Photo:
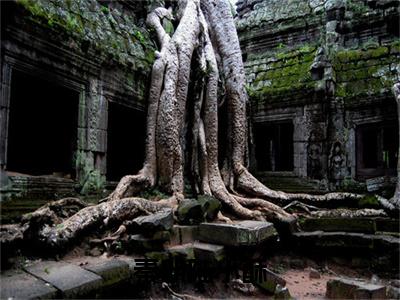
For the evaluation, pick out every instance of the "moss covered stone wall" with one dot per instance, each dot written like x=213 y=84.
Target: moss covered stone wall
x=327 y=67
x=111 y=30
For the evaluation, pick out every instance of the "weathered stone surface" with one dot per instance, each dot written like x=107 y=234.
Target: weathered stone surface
x=334 y=239
x=268 y=280
x=112 y=271
x=21 y=285
x=139 y=243
x=159 y=221
x=244 y=233
x=183 y=234
x=210 y=206
x=341 y=288
x=208 y=252
x=71 y=280
x=282 y=292
x=190 y=212
x=339 y=224
x=185 y=251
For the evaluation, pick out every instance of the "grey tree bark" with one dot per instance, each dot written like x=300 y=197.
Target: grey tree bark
x=206 y=34
x=206 y=28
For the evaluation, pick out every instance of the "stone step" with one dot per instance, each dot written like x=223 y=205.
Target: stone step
x=364 y=225
x=243 y=233
x=21 y=285
x=73 y=281
x=347 y=240
x=112 y=271
x=343 y=288
x=183 y=234
x=208 y=252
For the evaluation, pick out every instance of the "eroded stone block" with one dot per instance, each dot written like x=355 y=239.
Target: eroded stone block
x=71 y=280
x=244 y=233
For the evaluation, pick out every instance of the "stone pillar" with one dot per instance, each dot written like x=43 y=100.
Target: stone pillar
x=396 y=91
x=5 y=86
x=92 y=137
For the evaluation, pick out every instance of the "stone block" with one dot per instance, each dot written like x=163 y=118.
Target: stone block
x=182 y=251
x=21 y=285
x=244 y=233
x=112 y=271
x=342 y=240
x=339 y=224
x=159 y=221
x=208 y=252
x=183 y=234
x=210 y=206
x=268 y=280
x=190 y=212
x=341 y=288
x=71 y=280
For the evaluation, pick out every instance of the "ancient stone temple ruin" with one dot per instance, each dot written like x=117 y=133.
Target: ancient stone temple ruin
x=319 y=77
x=130 y=132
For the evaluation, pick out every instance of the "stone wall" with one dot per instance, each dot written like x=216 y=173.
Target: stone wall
x=328 y=67
x=100 y=49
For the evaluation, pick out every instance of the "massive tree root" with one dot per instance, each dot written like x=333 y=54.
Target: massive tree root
x=206 y=33
x=182 y=134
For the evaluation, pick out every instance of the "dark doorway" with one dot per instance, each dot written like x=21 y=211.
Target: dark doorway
x=274 y=146
x=42 y=127
x=126 y=141
x=377 y=149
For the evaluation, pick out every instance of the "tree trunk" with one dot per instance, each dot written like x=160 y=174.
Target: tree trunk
x=206 y=36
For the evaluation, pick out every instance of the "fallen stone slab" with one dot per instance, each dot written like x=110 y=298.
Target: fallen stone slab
x=244 y=233
x=365 y=225
x=71 y=280
x=112 y=271
x=21 y=285
x=342 y=288
x=208 y=252
x=268 y=280
x=160 y=221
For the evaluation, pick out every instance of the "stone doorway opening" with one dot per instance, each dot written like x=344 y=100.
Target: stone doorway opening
x=377 y=147
x=274 y=146
x=125 y=154
x=42 y=129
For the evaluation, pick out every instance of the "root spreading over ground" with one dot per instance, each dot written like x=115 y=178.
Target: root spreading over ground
x=198 y=69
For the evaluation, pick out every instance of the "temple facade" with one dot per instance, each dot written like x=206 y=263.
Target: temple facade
x=75 y=76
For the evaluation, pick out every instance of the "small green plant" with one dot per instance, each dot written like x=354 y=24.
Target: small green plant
x=105 y=10
x=281 y=46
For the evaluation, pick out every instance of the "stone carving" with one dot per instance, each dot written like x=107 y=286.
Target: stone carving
x=336 y=160
x=314 y=154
